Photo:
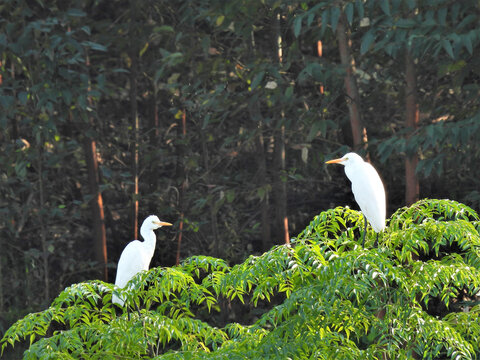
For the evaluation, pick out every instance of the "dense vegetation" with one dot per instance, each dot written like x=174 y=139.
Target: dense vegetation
x=323 y=297
x=218 y=116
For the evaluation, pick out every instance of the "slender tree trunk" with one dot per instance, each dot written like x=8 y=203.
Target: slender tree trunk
x=359 y=131
x=1 y=238
x=156 y=120
x=14 y=119
x=1 y=277
x=217 y=249
x=280 y=185
x=96 y=206
x=182 y=177
x=262 y=183
x=134 y=114
x=280 y=182
x=2 y=301
x=43 y=227
x=412 y=187
x=96 y=203
x=320 y=54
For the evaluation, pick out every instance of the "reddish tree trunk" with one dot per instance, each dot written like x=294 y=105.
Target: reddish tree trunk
x=96 y=206
x=320 y=54
x=134 y=114
x=359 y=131
x=96 y=203
x=412 y=187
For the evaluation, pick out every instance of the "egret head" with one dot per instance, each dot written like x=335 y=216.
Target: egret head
x=347 y=159
x=153 y=222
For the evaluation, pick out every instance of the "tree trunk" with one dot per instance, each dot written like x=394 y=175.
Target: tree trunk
x=96 y=206
x=217 y=252
x=262 y=183
x=280 y=181
x=156 y=120
x=43 y=226
x=13 y=119
x=412 y=187
x=134 y=114
x=96 y=203
x=320 y=54
x=182 y=177
x=280 y=185
x=359 y=131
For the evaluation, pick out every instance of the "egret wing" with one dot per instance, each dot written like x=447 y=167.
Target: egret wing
x=369 y=192
x=131 y=262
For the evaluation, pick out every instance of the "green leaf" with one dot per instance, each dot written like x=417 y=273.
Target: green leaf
x=76 y=13
x=367 y=41
x=448 y=47
x=467 y=43
x=442 y=16
x=411 y=4
x=220 y=20
x=385 y=6
x=349 y=8
x=94 y=46
x=335 y=17
x=289 y=92
x=163 y=28
x=406 y=23
x=23 y=97
x=257 y=79
x=297 y=25
x=360 y=8
x=7 y=101
x=314 y=129
x=325 y=19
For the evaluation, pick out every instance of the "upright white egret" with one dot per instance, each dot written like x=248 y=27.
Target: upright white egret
x=367 y=188
x=137 y=254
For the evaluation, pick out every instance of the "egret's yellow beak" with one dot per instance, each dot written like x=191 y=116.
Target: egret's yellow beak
x=334 y=161
x=163 y=223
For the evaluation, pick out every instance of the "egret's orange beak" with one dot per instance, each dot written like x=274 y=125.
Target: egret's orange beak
x=334 y=161
x=163 y=223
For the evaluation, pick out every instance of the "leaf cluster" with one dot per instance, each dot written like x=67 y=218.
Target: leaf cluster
x=323 y=297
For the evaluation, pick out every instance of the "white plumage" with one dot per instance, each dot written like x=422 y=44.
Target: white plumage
x=137 y=254
x=367 y=187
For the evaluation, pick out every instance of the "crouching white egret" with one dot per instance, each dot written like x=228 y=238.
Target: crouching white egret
x=367 y=188
x=137 y=254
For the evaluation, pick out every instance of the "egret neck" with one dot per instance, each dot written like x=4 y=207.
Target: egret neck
x=149 y=239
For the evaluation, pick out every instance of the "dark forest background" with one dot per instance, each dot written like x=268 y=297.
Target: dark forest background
x=218 y=117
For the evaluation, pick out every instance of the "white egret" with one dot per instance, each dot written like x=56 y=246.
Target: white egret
x=367 y=188
x=137 y=254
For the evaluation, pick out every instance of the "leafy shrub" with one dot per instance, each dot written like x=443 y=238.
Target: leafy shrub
x=323 y=297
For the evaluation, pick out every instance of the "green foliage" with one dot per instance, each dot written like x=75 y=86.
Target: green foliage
x=65 y=74
x=323 y=297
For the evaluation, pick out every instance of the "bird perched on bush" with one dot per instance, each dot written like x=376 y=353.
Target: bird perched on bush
x=367 y=188
x=137 y=254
